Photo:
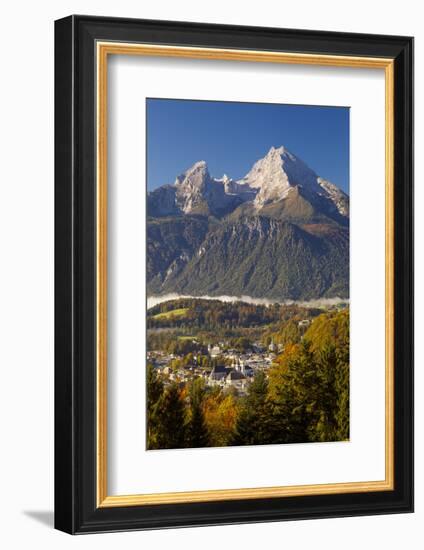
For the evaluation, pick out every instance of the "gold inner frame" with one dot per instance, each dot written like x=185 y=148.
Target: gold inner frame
x=104 y=49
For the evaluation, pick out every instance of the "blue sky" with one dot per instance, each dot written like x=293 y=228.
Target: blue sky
x=230 y=137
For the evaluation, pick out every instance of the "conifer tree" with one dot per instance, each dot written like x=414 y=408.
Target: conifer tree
x=254 y=423
x=154 y=390
x=197 y=432
x=170 y=415
x=154 y=386
x=342 y=388
x=295 y=397
x=323 y=422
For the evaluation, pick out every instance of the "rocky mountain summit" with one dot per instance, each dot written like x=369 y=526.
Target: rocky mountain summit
x=281 y=232
x=269 y=182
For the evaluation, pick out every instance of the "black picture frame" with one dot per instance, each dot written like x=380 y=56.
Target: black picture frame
x=76 y=510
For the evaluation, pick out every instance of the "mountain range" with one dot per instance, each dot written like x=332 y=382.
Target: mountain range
x=281 y=232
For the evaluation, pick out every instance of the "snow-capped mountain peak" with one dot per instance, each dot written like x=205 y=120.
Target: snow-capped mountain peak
x=194 y=176
x=269 y=181
x=197 y=192
x=276 y=173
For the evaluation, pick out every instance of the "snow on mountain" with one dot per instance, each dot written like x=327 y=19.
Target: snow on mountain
x=279 y=171
x=269 y=181
x=192 y=185
x=197 y=192
x=233 y=187
x=276 y=173
x=337 y=196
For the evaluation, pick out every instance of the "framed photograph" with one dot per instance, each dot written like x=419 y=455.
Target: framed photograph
x=234 y=274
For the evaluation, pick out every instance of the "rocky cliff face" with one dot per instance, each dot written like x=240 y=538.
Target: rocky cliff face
x=195 y=192
x=281 y=232
x=270 y=180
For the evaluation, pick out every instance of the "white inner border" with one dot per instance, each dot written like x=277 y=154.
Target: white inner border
x=132 y=469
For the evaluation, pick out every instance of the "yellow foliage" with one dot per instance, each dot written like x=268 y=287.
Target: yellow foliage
x=220 y=417
x=329 y=328
x=279 y=368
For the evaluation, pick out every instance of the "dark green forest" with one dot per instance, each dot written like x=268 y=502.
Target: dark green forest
x=293 y=255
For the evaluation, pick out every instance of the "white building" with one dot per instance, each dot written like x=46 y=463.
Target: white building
x=214 y=351
x=218 y=375
x=236 y=379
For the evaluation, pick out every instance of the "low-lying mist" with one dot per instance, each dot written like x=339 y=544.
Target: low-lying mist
x=320 y=302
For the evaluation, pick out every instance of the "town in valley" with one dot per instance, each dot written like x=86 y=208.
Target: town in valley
x=235 y=373
x=227 y=363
